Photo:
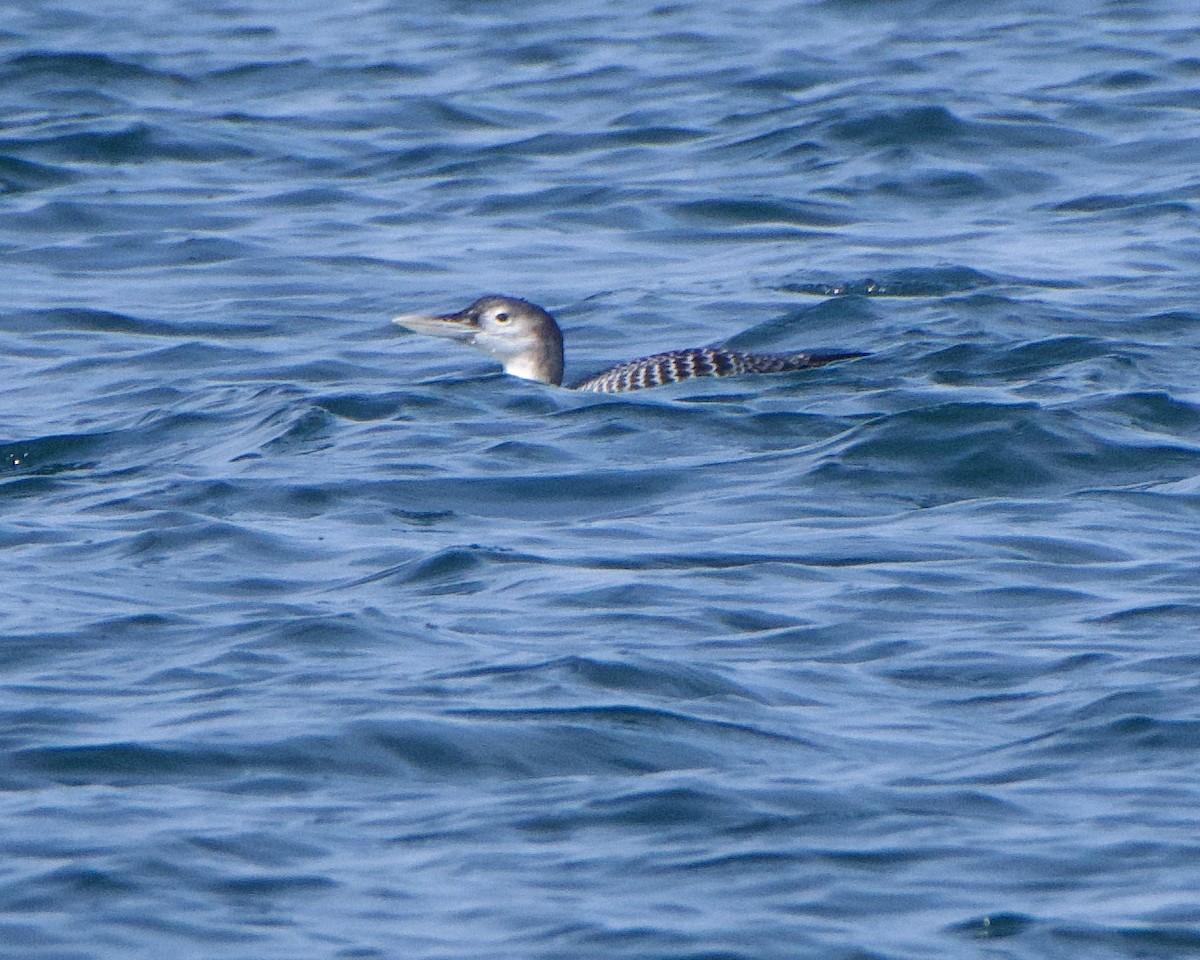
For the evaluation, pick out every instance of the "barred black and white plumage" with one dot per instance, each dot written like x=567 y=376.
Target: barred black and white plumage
x=527 y=340
x=678 y=365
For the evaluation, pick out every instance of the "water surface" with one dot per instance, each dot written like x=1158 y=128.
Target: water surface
x=322 y=639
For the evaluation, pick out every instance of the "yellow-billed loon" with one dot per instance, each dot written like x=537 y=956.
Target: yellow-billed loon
x=526 y=339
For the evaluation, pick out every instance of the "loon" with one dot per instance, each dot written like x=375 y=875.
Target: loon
x=528 y=342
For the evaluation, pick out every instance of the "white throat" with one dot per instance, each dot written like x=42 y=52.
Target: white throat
x=525 y=366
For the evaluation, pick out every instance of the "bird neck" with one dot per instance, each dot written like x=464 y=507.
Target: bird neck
x=541 y=361
x=535 y=366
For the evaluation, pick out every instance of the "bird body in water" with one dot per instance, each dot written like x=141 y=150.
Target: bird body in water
x=528 y=342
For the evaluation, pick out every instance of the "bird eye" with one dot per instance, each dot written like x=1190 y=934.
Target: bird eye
x=501 y=318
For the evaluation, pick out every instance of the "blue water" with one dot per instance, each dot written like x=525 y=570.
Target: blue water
x=326 y=640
